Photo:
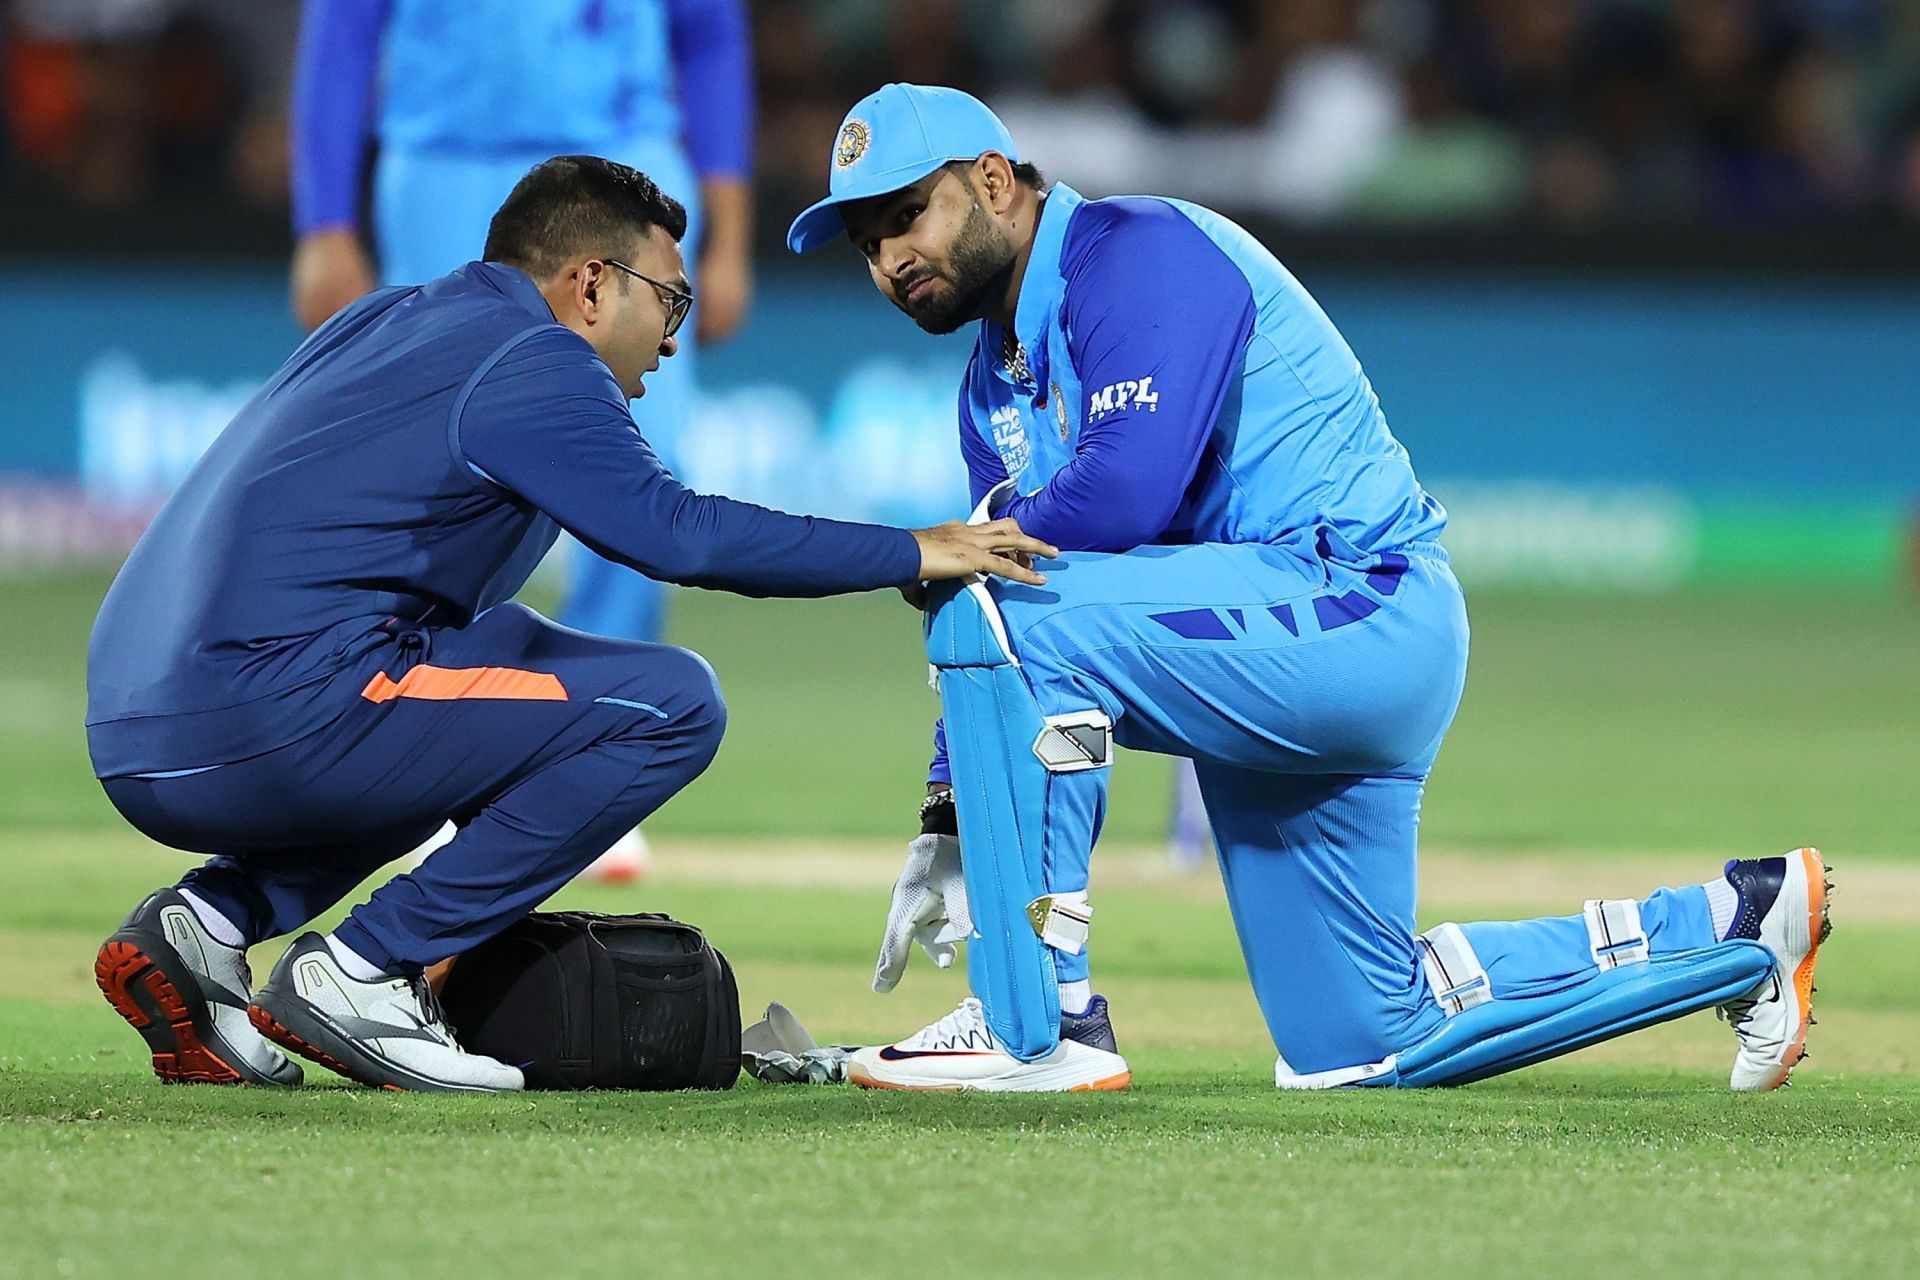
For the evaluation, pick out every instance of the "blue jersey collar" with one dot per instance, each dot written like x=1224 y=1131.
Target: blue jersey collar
x=1042 y=287
x=511 y=282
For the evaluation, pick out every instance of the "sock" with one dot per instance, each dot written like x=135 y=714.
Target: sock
x=1723 y=900
x=350 y=960
x=1077 y=997
x=224 y=931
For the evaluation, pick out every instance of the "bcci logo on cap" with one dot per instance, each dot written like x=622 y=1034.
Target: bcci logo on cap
x=854 y=138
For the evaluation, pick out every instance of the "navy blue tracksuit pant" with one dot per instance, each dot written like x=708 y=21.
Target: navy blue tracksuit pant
x=544 y=744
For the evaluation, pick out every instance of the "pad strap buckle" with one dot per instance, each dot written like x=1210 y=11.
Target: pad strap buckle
x=1062 y=920
x=1458 y=979
x=1614 y=934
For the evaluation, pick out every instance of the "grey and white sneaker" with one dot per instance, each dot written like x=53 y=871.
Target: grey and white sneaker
x=186 y=993
x=960 y=1052
x=389 y=1033
x=1783 y=904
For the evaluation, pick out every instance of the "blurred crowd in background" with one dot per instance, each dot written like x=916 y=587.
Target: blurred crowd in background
x=1327 y=112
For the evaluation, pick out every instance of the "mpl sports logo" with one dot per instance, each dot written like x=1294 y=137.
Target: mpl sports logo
x=1120 y=395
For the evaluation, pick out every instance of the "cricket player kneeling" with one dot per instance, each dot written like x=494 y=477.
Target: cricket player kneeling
x=1252 y=578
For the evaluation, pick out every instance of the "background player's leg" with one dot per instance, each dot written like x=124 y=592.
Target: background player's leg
x=1189 y=839
x=431 y=209
x=608 y=599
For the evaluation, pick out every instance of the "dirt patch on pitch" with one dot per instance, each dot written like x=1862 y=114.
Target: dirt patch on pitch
x=1484 y=884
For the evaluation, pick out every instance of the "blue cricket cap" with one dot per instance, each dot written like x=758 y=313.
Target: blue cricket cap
x=892 y=139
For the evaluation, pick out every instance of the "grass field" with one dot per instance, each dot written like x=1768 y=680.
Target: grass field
x=1606 y=744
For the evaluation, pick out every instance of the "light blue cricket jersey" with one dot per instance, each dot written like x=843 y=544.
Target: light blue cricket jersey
x=1180 y=386
x=527 y=75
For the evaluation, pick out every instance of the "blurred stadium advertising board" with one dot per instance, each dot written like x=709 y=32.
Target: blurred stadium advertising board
x=1625 y=434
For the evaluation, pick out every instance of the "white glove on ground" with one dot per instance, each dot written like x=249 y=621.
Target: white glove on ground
x=929 y=907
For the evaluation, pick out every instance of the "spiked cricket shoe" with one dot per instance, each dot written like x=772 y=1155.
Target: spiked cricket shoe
x=186 y=993
x=388 y=1033
x=961 y=1052
x=1783 y=904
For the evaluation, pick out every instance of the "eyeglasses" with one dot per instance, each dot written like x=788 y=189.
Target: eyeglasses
x=678 y=301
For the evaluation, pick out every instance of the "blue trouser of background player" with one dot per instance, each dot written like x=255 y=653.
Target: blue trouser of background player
x=1312 y=685
x=431 y=210
x=539 y=785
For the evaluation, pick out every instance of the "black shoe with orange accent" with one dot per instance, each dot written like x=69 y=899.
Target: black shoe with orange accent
x=186 y=994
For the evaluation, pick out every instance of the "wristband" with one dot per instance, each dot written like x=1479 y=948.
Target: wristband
x=937 y=815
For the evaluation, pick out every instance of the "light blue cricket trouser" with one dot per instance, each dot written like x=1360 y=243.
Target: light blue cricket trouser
x=431 y=212
x=1312 y=686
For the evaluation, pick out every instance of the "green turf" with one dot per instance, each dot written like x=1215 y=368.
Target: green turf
x=1740 y=722
x=1593 y=726
x=1553 y=1174
x=1201 y=1164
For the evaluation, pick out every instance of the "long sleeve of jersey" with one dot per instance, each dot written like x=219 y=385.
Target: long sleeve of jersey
x=713 y=68
x=332 y=101
x=1157 y=320
x=1152 y=306
x=546 y=425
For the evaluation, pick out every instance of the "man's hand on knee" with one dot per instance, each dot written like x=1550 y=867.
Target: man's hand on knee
x=998 y=547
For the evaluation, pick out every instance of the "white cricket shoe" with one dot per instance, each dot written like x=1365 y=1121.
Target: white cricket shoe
x=186 y=993
x=1783 y=904
x=628 y=860
x=389 y=1033
x=961 y=1052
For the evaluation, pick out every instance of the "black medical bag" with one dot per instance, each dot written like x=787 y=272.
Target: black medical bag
x=579 y=1000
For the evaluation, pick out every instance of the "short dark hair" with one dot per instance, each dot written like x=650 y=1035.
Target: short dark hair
x=1026 y=174
x=571 y=205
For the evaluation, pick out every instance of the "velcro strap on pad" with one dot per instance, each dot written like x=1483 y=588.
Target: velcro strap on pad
x=1614 y=933
x=1458 y=979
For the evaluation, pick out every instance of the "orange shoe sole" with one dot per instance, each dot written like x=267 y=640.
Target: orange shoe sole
x=267 y=1025
x=140 y=991
x=1819 y=928
x=1110 y=1084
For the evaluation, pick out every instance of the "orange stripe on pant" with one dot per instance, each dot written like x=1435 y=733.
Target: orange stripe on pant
x=449 y=684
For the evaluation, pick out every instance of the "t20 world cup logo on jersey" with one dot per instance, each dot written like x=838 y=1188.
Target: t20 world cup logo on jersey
x=1010 y=439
